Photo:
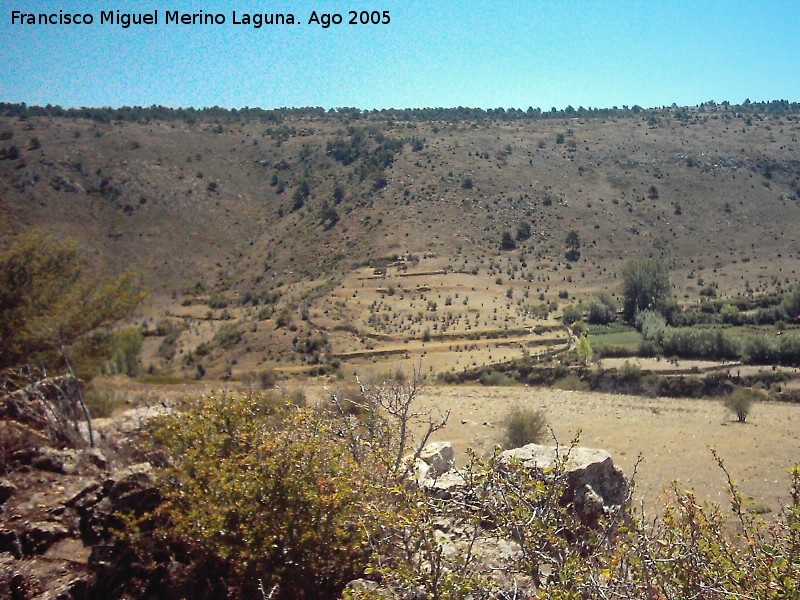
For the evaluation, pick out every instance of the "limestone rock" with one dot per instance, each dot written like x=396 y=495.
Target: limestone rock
x=55 y=460
x=439 y=457
x=445 y=486
x=595 y=486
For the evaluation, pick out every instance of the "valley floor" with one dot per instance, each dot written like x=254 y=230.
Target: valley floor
x=672 y=435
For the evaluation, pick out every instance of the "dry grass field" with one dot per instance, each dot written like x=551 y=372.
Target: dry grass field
x=672 y=435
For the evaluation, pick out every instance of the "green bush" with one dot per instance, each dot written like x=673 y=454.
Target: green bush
x=571 y=383
x=524 y=426
x=496 y=378
x=126 y=348
x=740 y=402
x=701 y=343
x=270 y=490
x=228 y=336
x=652 y=325
x=602 y=309
x=631 y=373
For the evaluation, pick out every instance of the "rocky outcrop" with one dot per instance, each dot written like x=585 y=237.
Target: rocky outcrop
x=591 y=487
x=59 y=499
x=52 y=405
x=595 y=486
x=433 y=461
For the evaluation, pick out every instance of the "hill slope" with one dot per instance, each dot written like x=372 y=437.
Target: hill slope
x=282 y=212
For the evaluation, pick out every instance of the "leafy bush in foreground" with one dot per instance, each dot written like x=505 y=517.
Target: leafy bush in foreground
x=269 y=490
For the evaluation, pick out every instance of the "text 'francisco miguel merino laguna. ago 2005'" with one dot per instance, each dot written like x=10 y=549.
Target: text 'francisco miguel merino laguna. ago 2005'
x=176 y=17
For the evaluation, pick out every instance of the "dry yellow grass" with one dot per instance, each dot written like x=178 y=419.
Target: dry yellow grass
x=673 y=436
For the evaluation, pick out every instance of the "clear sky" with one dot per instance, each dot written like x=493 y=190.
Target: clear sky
x=433 y=53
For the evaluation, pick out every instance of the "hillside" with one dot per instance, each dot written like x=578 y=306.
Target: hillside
x=289 y=237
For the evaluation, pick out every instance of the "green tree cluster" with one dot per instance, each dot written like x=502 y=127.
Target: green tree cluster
x=602 y=309
x=645 y=286
x=50 y=303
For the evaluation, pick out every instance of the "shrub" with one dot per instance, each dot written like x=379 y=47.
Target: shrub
x=269 y=490
x=570 y=314
x=126 y=347
x=267 y=378
x=572 y=383
x=524 y=426
x=741 y=401
x=602 y=309
x=228 y=336
x=351 y=400
x=507 y=242
x=631 y=373
x=496 y=378
x=524 y=231
x=101 y=404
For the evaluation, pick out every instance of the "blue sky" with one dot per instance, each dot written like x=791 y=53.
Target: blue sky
x=434 y=53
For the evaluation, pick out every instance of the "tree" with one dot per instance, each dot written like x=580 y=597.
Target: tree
x=523 y=231
x=584 y=350
x=300 y=195
x=507 y=242
x=571 y=314
x=573 y=243
x=328 y=216
x=338 y=194
x=49 y=303
x=652 y=193
x=126 y=347
x=645 y=286
x=602 y=309
x=791 y=303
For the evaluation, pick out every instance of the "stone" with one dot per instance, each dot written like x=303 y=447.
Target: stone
x=39 y=536
x=96 y=457
x=85 y=496
x=7 y=490
x=10 y=542
x=360 y=588
x=446 y=486
x=595 y=486
x=55 y=461
x=439 y=457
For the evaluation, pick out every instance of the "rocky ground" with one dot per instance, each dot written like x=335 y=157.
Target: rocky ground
x=60 y=496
